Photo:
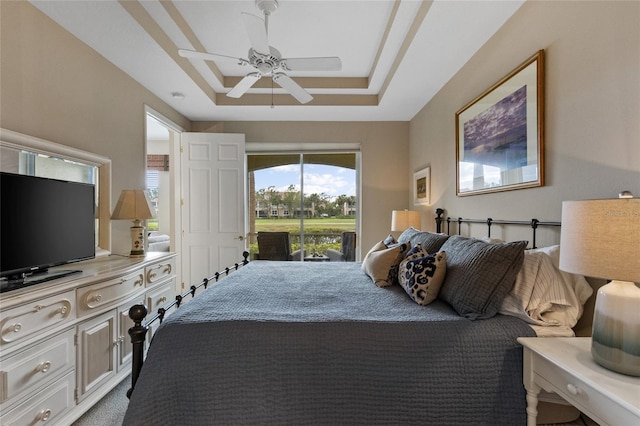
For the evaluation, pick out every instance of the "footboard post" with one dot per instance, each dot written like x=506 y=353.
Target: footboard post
x=138 y=333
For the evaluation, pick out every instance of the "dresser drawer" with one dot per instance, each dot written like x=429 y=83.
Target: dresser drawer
x=581 y=395
x=37 y=364
x=23 y=321
x=107 y=293
x=46 y=406
x=159 y=297
x=159 y=271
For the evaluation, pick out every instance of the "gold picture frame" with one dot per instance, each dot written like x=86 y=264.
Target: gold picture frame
x=500 y=134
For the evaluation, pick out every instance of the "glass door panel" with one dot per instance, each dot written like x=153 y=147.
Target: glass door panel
x=310 y=196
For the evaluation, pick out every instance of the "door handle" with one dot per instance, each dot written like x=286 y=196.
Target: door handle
x=240 y=237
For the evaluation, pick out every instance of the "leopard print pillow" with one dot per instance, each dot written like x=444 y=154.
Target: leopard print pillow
x=421 y=275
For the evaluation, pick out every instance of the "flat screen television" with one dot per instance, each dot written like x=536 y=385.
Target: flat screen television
x=43 y=223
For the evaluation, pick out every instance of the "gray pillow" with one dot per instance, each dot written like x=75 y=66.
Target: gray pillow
x=430 y=241
x=479 y=275
x=407 y=234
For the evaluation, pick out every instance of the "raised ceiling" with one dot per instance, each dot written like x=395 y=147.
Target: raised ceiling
x=396 y=55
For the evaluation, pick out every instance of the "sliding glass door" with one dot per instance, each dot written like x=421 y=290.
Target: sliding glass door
x=310 y=196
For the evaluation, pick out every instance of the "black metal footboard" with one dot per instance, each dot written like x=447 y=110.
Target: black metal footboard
x=138 y=313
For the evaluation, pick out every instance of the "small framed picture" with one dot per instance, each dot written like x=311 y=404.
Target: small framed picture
x=422 y=186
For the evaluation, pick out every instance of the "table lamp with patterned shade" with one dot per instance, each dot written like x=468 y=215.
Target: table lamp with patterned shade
x=134 y=204
x=403 y=219
x=601 y=238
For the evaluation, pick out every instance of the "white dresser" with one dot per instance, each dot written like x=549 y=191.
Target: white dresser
x=64 y=344
x=565 y=366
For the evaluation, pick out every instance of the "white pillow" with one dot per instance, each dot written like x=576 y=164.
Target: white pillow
x=544 y=295
x=381 y=263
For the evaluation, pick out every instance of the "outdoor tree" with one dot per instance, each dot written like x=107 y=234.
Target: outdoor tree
x=273 y=199
x=291 y=199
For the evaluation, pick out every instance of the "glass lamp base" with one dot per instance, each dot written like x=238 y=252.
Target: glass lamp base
x=616 y=328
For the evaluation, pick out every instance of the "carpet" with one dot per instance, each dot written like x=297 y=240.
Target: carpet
x=109 y=411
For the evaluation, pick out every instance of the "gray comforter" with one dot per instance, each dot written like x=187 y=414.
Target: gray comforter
x=292 y=343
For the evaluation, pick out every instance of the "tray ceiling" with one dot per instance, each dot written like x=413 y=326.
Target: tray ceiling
x=396 y=55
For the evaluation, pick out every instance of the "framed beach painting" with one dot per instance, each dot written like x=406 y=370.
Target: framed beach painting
x=500 y=134
x=422 y=186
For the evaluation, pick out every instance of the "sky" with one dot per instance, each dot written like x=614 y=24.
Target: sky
x=318 y=179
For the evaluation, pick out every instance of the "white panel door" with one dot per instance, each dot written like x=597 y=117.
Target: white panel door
x=213 y=194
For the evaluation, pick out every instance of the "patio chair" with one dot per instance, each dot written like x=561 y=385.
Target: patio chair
x=348 y=251
x=274 y=246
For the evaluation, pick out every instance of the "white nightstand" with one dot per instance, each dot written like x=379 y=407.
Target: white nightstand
x=564 y=365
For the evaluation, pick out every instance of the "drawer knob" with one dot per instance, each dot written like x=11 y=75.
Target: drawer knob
x=44 y=415
x=62 y=310
x=96 y=298
x=16 y=328
x=43 y=367
x=573 y=389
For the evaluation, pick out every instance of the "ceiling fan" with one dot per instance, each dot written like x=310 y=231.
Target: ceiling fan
x=266 y=59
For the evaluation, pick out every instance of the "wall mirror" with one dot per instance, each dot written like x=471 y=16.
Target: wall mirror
x=27 y=155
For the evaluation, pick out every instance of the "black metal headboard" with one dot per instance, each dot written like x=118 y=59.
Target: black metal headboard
x=533 y=223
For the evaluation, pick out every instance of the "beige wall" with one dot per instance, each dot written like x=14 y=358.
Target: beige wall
x=56 y=88
x=592 y=108
x=384 y=174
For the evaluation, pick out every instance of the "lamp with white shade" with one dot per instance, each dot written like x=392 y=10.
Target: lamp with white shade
x=601 y=238
x=134 y=204
x=403 y=219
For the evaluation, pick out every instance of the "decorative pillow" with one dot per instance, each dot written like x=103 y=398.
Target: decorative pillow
x=381 y=263
x=421 y=275
x=429 y=241
x=380 y=245
x=389 y=240
x=479 y=274
x=416 y=252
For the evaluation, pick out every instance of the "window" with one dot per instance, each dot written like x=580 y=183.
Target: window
x=313 y=196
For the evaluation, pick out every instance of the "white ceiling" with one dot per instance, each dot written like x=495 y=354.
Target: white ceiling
x=396 y=55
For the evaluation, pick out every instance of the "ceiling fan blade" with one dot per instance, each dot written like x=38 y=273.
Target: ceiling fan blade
x=192 y=54
x=331 y=63
x=257 y=32
x=292 y=87
x=244 y=85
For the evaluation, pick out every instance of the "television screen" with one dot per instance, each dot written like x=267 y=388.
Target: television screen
x=43 y=223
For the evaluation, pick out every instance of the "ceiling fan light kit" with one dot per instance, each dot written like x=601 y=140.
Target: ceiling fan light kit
x=266 y=59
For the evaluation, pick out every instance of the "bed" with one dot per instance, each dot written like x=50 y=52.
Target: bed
x=354 y=343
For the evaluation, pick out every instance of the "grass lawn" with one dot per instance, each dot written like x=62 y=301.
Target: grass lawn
x=320 y=234
x=328 y=224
